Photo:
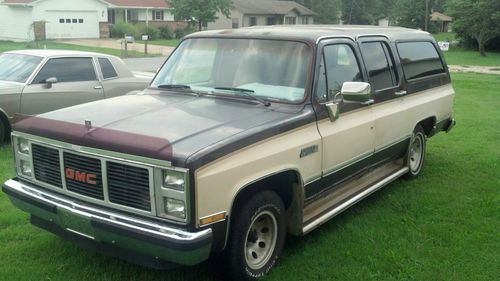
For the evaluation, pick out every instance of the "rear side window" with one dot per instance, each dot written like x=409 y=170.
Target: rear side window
x=67 y=70
x=419 y=59
x=107 y=69
x=379 y=64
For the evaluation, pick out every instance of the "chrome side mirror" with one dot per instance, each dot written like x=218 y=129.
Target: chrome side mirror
x=333 y=110
x=50 y=81
x=357 y=92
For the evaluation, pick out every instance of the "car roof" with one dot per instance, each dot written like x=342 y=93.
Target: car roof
x=55 y=53
x=313 y=33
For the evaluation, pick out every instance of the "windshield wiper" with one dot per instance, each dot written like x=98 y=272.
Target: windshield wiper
x=246 y=92
x=174 y=86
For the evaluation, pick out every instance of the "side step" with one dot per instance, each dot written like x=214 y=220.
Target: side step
x=315 y=221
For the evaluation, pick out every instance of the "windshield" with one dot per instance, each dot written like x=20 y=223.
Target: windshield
x=269 y=69
x=16 y=67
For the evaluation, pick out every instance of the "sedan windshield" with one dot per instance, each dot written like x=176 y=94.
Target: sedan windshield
x=268 y=69
x=17 y=68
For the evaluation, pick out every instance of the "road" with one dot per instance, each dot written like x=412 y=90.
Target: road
x=150 y=64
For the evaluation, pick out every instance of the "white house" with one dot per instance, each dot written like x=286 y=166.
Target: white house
x=263 y=12
x=25 y=20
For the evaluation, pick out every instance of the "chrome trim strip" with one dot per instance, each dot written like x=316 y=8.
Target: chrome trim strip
x=110 y=217
x=344 y=206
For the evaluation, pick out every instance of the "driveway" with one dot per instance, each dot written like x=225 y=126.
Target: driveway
x=150 y=64
x=116 y=44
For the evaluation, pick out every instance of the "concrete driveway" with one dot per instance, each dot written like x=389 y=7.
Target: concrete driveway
x=116 y=44
x=150 y=64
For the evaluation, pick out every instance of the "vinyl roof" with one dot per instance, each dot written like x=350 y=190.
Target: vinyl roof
x=312 y=33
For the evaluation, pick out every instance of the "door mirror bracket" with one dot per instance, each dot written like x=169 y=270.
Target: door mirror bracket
x=50 y=81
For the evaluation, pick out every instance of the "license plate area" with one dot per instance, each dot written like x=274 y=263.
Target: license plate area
x=75 y=223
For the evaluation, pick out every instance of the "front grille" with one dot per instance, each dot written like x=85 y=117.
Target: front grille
x=128 y=185
x=46 y=165
x=83 y=175
x=121 y=185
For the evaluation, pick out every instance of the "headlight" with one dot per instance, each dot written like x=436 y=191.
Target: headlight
x=174 y=180
x=175 y=208
x=25 y=168
x=23 y=146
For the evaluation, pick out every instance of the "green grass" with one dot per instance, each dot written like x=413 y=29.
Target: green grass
x=445 y=36
x=11 y=46
x=164 y=42
x=458 y=56
x=444 y=225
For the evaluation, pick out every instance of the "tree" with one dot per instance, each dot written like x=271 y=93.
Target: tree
x=479 y=19
x=409 y=13
x=365 y=11
x=201 y=11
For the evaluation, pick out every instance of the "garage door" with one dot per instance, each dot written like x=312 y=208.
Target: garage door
x=66 y=25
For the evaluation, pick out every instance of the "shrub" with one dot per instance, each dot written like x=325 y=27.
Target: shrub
x=166 y=33
x=121 y=29
x=179 y=33
x=143 y=29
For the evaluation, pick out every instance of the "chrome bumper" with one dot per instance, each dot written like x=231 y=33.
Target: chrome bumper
x=101 y=226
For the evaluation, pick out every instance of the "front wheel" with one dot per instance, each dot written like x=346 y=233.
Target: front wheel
x=416 y=153
x=256 y=237
x=2 y=132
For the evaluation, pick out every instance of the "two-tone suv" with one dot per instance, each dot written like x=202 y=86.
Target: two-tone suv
x=243 y=136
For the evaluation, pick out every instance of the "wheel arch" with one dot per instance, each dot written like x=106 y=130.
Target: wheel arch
x=288 y=184
x=428 y=124
x=5 y=121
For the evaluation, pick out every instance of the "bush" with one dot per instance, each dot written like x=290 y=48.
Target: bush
x=143 y=29
x=121 y=29
x=179 y=33
x=166 y=33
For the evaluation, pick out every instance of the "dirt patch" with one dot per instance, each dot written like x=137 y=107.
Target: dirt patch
x=475 y=69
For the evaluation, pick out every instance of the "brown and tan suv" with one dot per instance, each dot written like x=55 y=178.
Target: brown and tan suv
x=243 y=136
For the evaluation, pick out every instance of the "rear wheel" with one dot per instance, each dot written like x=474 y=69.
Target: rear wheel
x=416 y=153
x=256 y=237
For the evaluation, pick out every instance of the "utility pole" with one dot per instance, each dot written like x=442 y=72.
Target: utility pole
x=426 y=15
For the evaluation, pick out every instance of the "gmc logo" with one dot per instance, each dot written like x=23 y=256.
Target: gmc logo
x=81 y=176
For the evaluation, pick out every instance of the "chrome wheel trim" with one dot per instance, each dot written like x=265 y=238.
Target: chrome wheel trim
x=415 y=153
x=261 y=240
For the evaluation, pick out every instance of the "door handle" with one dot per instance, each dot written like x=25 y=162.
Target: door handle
x=97 y=87
x=400 y=93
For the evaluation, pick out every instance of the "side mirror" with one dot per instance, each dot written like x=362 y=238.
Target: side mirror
x=50 y=81
x=357 y=92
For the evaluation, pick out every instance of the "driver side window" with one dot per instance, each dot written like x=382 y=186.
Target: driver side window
x=338 y=65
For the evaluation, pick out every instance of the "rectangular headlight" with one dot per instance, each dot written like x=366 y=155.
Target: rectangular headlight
x=174 y=180
x=23 y=146
x=175 y=208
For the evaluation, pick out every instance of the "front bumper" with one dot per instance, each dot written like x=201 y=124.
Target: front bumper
x=113 y=233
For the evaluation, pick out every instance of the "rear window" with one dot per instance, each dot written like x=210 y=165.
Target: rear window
x=107 y=69
x=419 y=59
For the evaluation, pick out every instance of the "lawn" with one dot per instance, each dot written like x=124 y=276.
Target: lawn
x=164 y=42
x=443 y=226
x=458 y=56
x=10 y=46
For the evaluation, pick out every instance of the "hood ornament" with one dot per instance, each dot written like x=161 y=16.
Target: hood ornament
x=88 y=125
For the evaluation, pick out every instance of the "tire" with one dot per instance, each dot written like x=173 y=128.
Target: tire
x=256 y=237
x=415 y=157
x=2 y=132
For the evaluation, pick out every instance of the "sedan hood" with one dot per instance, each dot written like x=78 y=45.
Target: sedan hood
x=188 y=123
x=7 y=87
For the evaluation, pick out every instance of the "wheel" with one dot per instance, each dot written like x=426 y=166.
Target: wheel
x=2 y=132
x=256 y=237
x=416 y=153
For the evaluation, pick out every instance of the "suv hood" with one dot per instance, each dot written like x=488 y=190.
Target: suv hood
x=188 y=123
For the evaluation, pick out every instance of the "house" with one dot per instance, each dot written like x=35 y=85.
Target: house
x=263 y=12
x=25 y=20
x=443 y=20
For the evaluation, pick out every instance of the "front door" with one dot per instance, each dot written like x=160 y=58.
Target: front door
x=76 y=83
x=348 y=142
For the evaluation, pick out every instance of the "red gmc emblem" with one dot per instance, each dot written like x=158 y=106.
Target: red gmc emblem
x=81 y=176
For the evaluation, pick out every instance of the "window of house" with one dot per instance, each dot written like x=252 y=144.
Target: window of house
x=253 y=21
x=305 y=20
x=419 y=59
x=379 y=64
x=67 y=70
x=158 y=15
x=270 y=20
x=339 y=65
x=107 y=69
x=80 y=20
x=68 y=20
x=111 y=16
x=61 y=20
x=74 y=20
x=235 y=23
x=290 y=20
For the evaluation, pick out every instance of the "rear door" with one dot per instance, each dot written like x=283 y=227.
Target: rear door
x=389 y=113
x=77 y=83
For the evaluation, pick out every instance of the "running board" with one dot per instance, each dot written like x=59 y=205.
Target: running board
x=353 y=200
